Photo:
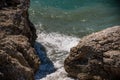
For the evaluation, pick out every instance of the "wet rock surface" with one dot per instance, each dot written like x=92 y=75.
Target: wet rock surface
x=18 y=59
x=96 y=57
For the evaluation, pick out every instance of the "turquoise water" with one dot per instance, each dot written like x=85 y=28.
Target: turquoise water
x=74 y=17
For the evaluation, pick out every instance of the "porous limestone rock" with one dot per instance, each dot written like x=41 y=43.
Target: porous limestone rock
x=96 y=57
x=18 y=59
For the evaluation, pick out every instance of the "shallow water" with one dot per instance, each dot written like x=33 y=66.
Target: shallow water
x=56 y=49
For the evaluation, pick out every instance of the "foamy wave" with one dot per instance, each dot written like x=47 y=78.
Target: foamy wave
x=60 y=74
x=58 y=41
x=57 y=48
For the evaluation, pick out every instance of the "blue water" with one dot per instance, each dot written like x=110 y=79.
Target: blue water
x=74 y=17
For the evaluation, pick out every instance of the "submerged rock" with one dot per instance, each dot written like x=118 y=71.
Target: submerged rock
x=96 y=57
x=18 y=59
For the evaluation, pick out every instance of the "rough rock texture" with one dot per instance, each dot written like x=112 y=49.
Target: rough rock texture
x=18 y=59
x=96 y=57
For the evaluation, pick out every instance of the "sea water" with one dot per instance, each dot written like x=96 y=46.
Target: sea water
x=61 y=23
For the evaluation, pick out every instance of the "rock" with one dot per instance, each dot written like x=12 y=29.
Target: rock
x=96 y=57
x=18 y=59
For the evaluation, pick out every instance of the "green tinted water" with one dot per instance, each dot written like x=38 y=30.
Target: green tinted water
x=74 y=17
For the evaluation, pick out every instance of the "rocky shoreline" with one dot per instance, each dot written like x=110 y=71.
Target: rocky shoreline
x=96 y=57
x=18 y=59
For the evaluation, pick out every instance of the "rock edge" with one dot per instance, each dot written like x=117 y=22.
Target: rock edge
x=96 y=57
x=18 y=59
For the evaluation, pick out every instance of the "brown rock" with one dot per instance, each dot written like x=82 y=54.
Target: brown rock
x=11 y=68
x=96 y=57
x=18 y=59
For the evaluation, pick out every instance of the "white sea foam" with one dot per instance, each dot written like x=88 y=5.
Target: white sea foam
x=59 y=41
x=57 y=48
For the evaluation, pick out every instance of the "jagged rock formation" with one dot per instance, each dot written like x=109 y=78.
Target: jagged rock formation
x=18 y=59
x=96 y=57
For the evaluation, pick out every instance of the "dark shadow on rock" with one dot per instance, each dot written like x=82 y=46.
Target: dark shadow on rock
x=46 y=66
x=10 y=3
